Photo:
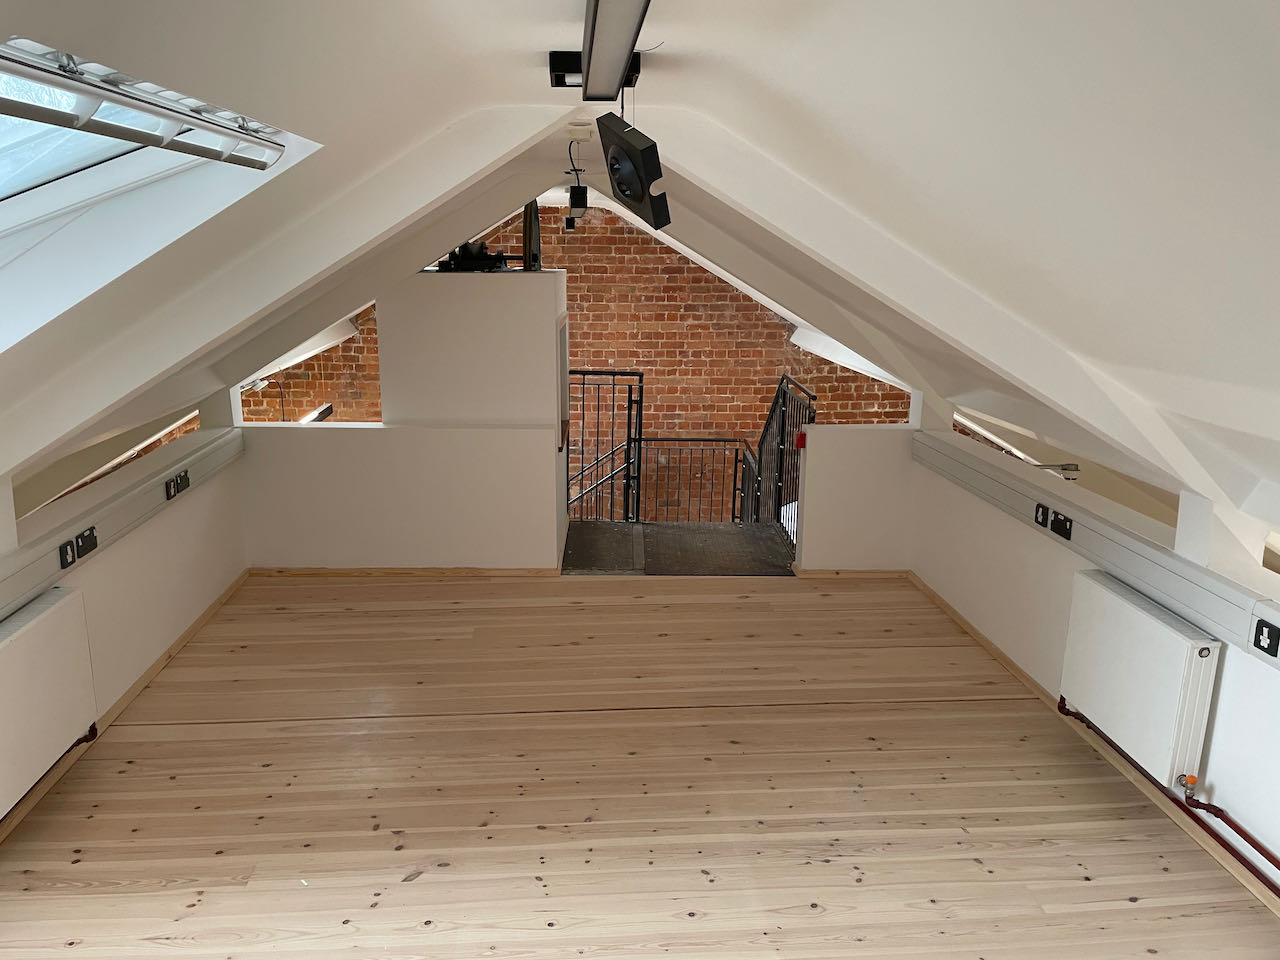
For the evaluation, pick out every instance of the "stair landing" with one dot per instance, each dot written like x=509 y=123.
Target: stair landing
x=677 y=549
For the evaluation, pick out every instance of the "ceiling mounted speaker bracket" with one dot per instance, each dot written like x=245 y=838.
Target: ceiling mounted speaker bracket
x=631 y=160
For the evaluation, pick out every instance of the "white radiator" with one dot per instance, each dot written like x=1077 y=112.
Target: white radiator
x=1139 y=673
x=46 y=688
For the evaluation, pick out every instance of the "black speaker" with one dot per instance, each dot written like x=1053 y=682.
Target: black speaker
x=631 y=160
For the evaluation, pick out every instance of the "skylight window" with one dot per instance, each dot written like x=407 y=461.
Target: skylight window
x=37 y=94
x=94 y=160
x=32 y=154
x=39 y=84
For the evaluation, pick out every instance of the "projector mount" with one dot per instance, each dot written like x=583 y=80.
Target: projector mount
x=475 y=257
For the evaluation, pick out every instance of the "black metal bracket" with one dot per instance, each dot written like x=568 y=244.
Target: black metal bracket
x=565 y=67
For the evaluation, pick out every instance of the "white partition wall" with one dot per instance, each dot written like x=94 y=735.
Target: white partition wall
x=465 y=470
x=853 y=511
x=472 y=349
x=368 y=496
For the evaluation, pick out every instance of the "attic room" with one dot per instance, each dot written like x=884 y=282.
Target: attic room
x=834 y=513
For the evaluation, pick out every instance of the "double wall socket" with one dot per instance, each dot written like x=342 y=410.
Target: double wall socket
x=176 y=484
x=1054 y=521
x=69 y=551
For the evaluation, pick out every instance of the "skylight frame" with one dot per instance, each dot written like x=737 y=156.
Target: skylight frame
x=238 y=139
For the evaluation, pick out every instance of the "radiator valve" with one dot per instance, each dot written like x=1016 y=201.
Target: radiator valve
x=1188 y=781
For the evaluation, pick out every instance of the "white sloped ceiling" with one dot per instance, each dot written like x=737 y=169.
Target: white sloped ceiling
x=1061 y=213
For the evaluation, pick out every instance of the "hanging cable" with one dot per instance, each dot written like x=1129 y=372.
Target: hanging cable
x=573 y=167
x=577 y=193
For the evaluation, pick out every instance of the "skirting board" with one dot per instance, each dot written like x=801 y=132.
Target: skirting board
x=46 y=783
x=403 y=571
x=1162 y=800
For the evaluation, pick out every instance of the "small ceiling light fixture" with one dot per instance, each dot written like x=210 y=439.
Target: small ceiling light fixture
x=578 y=201
x=578 y=192
x=609 y=38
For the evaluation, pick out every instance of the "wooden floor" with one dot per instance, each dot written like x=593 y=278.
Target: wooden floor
x=602 y=767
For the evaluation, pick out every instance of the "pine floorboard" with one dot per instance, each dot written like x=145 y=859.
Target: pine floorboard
x=604 y=768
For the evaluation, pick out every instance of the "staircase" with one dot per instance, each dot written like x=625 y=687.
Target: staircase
x=777 y=465
x=616 y=473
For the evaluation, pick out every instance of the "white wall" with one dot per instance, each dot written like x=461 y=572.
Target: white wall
x=468 y=348
x=863 y=531
x=1242 y=758
x=868 y=505
x=465 y=471
x=1008 y=580
x=142 y=591
x=335 y=495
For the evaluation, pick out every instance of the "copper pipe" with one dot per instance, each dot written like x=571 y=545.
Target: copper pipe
x=1189 y=803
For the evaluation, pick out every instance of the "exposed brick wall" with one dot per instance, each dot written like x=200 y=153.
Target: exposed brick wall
x=181 y=430
x=711 y=355
x=345 y=375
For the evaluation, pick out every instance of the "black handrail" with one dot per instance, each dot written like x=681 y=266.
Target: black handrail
x=691 y=479
x=606 y=427
x=790 y=412
x=614 y=472
x=607 y=456
x=746 y=486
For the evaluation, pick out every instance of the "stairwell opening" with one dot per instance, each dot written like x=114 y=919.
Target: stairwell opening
x=684 y=404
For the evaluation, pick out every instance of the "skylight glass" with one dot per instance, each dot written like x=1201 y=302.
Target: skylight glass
x=125 y=117
x=51 y=86
x=33 y=153
x=95 y=161
x=40 y=94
